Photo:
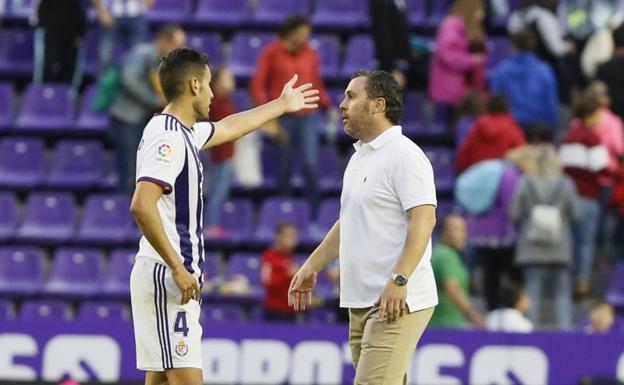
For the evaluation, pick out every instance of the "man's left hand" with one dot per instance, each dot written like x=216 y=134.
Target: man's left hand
x=392 y=302
x=299 y=98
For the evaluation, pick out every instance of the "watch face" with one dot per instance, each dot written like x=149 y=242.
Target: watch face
x=401 y=280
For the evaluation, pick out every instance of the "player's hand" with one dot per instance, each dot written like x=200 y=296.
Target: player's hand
x=299 y=98
x=301 y=286
x=392 y=302
x=187 y=284
x=477 y=319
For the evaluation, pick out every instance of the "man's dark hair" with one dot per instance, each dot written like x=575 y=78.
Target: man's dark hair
x=586 y=104
x=168 y=30
x=179 y=65
x=381 y=84
x=539 y=133
x=524 y=41
x=291 y=24
x=283 y=226
x=510 y=295
x=498 y=104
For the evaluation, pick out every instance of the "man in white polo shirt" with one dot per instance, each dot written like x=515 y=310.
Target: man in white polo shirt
x=383 y=235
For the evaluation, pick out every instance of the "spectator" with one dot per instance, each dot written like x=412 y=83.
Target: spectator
x=278 y=267
x=120 y=18
x=511 y=317
x=454 y=69
x=391 y=34
x=291 y=54
x=452 y=278
x=611 y=72
x=60 y=28
x=492 y=135
x=470 y=107
x=220 y=169
x=601 y=320
x=583 y=158
x=137 y=98
x=529 y=84
x=545 y=205
x=538 y=16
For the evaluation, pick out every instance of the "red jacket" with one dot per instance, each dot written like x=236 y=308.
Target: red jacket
x=220 y=108
x=276 y=66
x=276 y=277
x=490 y=137
x=584 y=158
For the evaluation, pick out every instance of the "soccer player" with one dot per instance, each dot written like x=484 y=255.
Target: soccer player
x=383 y=235
x=167 y=275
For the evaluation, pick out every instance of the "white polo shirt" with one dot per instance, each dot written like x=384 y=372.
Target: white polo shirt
x=384 y=178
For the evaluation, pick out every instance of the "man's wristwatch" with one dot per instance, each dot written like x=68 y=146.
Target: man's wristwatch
x=399 y=279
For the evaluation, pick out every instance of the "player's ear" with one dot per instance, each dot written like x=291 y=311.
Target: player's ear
x=195 y=86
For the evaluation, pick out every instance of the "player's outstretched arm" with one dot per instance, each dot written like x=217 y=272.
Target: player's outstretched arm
x=304 y=281
x=291 y=100
x=145 y=212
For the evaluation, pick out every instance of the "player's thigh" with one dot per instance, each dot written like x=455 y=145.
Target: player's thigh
x=155 y=378
x=184 y=376
x=388 y=348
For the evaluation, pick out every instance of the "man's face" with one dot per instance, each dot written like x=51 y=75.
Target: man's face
x=166 y=45
x=286 y=240
x=294 y=41
x=456 y=233
x=202 y=100
x=356 y=108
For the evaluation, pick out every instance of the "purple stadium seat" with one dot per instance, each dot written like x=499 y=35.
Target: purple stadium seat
x=237 y=220
x=282 y=209
x=414 y=121
x=22 y=162
x=19 y=9
x=21 y=271
x=45 y=310
x=330 y=170
x=340 y=14
x=170 y=11
x=241 y=100
x=416 y=12
x=116 y=283
x=78 y=164
x=46 y=108
x=443 y=162
x=212 y=268
x=615 y=292
x=104 y=311
x=225 y=13
x=88 y=120
x=75 y=273
x=274 y=12
x=16 y=51
x=212 y=313
x=499 y=49
x=209 y=43
x=8 y=216
x=328 y=48
x=107 y=221
x=360 y=54
x=268 y=157
x=7 y=112
x=328 y=215
x=248 y=265
x=49 y=218
x=91 y=44
x=7 y=310
x=437 y=12
x=246 y=47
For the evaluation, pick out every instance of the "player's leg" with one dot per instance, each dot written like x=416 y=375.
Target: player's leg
x=388 y=348
x=357 y=319
x=156 y=378
x=185 y=376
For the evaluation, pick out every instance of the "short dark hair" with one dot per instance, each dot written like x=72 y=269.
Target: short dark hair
x=176 y=66
x=587 y=104
x=291 y=24
x=524 y=40
x=510 y=295
x=498 y=104
x=381 y=84
x=539 y=133
x=283 y=226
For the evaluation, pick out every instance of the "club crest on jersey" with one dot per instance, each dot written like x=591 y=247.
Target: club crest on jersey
x=181 y=348
x=164 y=153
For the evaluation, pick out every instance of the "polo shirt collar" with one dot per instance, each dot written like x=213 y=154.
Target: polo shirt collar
x=381 y=139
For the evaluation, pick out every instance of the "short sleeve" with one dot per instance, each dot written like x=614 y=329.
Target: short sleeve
x=161 y=158
x=443 y=266
x=203 y=133
x=412 y=178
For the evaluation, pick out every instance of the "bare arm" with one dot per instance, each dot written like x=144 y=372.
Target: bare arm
x=452 y=289
x=145 y=212
x=327 y=251
x=242 y=123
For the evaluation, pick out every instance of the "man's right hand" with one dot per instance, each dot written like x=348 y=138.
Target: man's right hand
x=301 y=286
x=187 y=284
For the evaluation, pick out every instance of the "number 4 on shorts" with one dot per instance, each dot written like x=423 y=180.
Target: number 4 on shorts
x=180 y=323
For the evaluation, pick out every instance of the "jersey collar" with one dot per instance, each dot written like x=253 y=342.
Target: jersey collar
x=381 y=139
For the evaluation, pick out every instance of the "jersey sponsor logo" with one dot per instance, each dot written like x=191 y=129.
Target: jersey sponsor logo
x=164 y=153
x=181 y=348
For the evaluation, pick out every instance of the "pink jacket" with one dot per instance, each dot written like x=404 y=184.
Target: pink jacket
x=452 y=65
x=611 y=134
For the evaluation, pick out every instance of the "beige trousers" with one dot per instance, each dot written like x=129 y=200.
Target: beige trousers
x=381 y=351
